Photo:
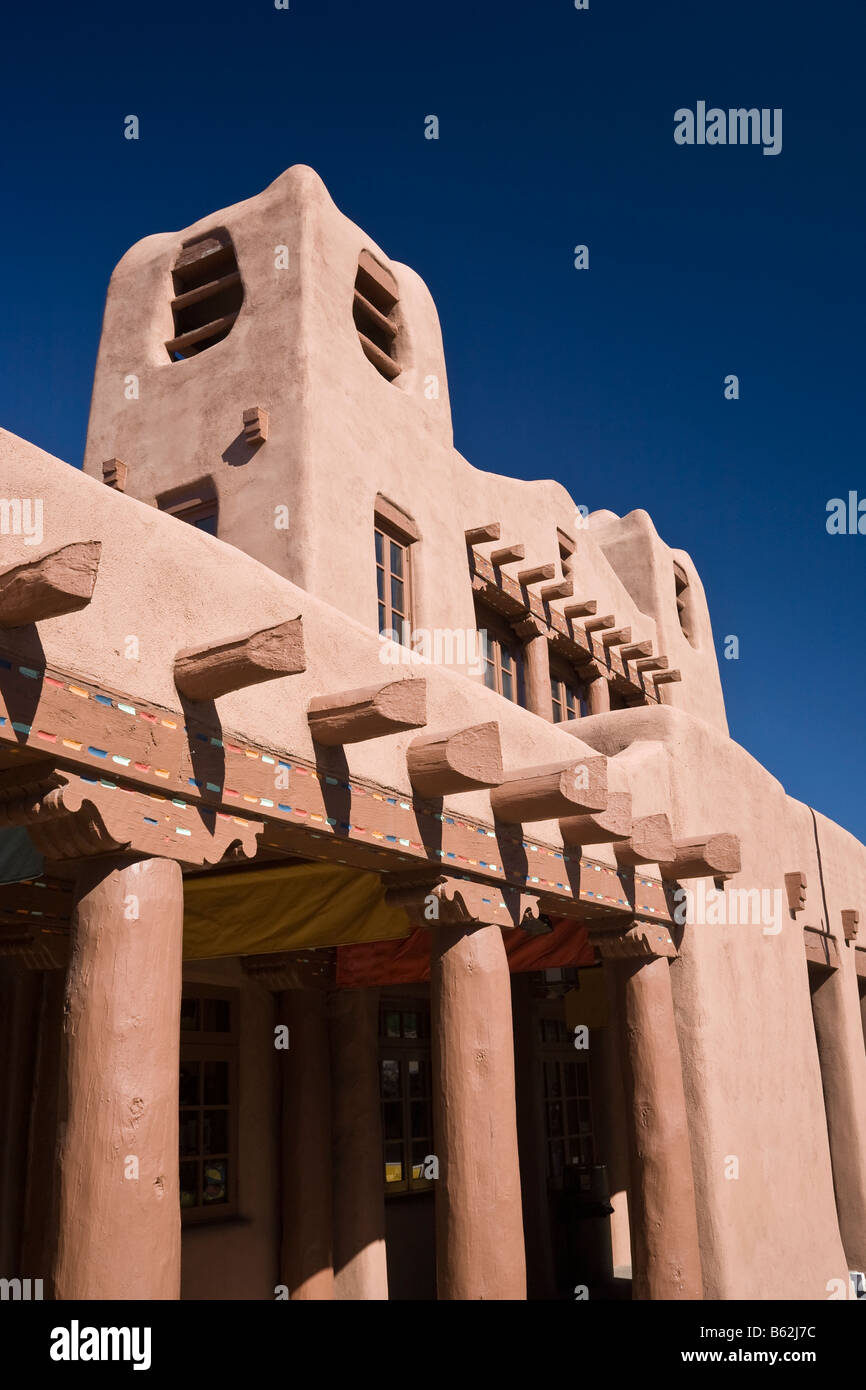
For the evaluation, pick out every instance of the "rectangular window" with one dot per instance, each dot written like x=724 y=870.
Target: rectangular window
x=566 y=1098
x=406 y=1093
x=393 y=581
x=503 y=656
x=570 y=698
x=196 y=505
x=208 y=1102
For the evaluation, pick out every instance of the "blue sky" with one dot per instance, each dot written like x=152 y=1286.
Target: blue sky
x=556 y=128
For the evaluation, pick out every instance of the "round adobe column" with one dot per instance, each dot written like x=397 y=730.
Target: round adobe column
x=662 y=1212
x=360 y=1265
x=479 y=1219
x=307 y=1244
x=119 y=1209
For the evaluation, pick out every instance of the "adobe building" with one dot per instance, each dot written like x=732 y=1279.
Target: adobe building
x=342 y=965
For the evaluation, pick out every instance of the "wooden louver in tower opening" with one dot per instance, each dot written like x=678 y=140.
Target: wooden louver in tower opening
x=208 y=294
x=374 y=311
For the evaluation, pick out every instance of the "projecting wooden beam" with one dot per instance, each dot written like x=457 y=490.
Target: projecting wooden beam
x=49 y=586
x=600 y=827
x=465 y=760
x=666 y=677
x=850 y=922
x=655 y=663
x=563 y=588
x=356 y=715
x=715 y=856
x=477 y=535
x=596 y=624
x=535 y=573
x=204 y=673
x=507 y=555
x=616 y=637
x=581 y=610
x=650 y=842
x=795 y=889
x=551 y=791
x=634 y=649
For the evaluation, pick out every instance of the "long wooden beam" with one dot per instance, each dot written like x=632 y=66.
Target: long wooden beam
x=551 y=791
x=356 y=715
x=464 y=760
x=204 y=673
x=49 y=586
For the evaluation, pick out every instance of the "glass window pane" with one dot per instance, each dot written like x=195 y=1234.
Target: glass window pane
x=380 y=560
x=396 y=559
x=507 y=684
x=216 y=1083
x=390 y=1079
x=392 y=1120
x=207 y=523
x=188 y=1184
x=189 y=1132
x=215 y=1182
x=585 y=1121
x=380 y=583
x=417 y=1079
x=216 y=1132
x=421 y=1117
x=490 y=676
x=393 y=1162
x=557 y=1159
x=383 y=620
x=420 y=1151
x=189 y=1019
x=551 y=1079
x=571 y=1117
x=217 y=1016
x=554 y=1120
x=410 y=1025
x=392 y=1024
x=397 y=597
x=190 y=1073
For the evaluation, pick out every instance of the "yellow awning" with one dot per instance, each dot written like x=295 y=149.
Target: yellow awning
x=286 y=908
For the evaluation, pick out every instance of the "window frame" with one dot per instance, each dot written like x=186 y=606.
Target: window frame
x=195 y=504
x=198 y=1045
x=564 y=676
x=497 y=636
x=392 y=535
x=405 y=1050
x=561 y=1054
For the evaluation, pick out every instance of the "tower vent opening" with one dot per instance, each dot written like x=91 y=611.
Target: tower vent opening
x=208 y=294
x=374 y=308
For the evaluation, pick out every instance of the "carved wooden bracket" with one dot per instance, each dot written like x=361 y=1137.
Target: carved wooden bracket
x=795 y=887
x=70 y=817
x=47 y=587
x=255 y=422
x=581 y=610
x=850 y=922
x=534 y=574
x=646 y=939
x=453 y=902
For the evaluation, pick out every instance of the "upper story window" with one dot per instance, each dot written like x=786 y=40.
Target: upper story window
x=503 y=656
x=394 y=533
x=405 y=1069
x=208 y=1101
x=208 y=294
x=196 y=505
x=570 y=698
x=374 y=308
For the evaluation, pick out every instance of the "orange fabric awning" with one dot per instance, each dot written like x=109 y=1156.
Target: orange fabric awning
x=408 y=961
